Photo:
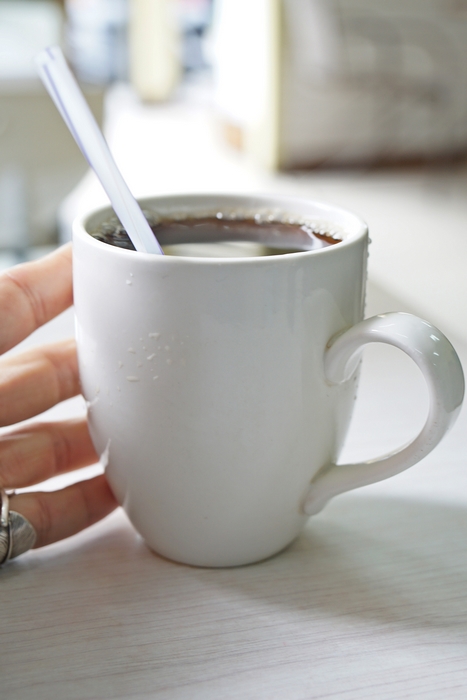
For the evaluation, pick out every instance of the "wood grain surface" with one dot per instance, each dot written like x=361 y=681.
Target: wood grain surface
x=369 y=602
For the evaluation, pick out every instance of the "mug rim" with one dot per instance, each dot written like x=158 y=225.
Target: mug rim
x=80 y=226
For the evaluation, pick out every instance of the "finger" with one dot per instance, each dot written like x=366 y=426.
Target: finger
x=36 y=380
x=43 y=450
x=33 y=293
x=59 y=514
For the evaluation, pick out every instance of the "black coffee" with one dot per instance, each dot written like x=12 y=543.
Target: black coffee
x=223 y=236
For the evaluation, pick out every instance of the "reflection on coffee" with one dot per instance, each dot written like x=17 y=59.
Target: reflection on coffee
x=222 y=235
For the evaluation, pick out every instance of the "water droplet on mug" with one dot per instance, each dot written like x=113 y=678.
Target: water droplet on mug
x=133 y=379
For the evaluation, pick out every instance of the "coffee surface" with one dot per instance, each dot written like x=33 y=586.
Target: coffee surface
x=219 y=236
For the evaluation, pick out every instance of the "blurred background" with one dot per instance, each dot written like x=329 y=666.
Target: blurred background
x=359 y=102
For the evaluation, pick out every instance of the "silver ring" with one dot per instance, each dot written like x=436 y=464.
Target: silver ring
x=17 y=535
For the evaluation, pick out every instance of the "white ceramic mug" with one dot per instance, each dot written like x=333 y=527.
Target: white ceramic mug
x=222 y=388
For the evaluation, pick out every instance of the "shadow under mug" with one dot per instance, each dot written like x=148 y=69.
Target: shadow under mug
x=220 y=390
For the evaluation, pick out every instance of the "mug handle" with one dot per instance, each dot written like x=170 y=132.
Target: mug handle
x=442 y=370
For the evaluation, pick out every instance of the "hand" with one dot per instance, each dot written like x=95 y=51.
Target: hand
x=31 y=382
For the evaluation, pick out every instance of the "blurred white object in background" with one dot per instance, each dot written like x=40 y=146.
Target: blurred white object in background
x=246 y=67
x=339 y=82
x=155 y=49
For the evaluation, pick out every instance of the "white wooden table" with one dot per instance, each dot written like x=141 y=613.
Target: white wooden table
x=369 y=602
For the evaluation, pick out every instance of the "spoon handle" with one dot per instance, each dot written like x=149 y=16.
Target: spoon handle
x=70 y=102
